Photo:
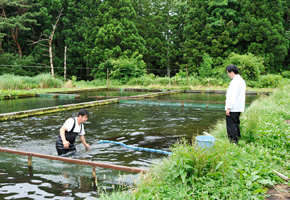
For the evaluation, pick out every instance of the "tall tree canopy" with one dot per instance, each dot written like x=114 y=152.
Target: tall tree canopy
x=16 y=16
x=167 y=35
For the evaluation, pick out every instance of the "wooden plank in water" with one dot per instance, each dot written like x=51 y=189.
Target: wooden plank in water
x=76 y=161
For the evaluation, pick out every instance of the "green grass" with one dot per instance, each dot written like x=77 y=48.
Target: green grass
x=13 y=82
x=13 y=86
x=227 y=171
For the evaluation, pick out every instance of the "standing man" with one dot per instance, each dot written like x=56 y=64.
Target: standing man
x=235 y=103
x=72 y=128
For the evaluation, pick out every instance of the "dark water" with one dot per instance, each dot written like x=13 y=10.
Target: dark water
x=142 y=125
x=13 y=105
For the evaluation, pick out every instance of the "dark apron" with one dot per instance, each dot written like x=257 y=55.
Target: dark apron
x=69 y=136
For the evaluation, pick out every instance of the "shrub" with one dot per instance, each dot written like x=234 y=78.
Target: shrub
x=205 y=69
x=250 y=66
x=269 y=80
x=123 y=68
x=17 y=65
x=286 y=74
x=144 y=80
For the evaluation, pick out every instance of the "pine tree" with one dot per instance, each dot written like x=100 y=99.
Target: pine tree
x=263 y=32
x=115 y=33
x=15 y=18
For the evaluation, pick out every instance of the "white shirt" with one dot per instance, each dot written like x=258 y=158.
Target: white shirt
x=69 y=124
x=236 y=95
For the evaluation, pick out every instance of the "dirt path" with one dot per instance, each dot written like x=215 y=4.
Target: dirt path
x=280 y=192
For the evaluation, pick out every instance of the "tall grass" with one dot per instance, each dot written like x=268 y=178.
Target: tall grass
x=227 y=171
x=14 y=82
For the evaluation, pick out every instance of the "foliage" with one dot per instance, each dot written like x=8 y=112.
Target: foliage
x=171 y=35
x=116 y=34
x=286 y=74
x=250 y=66
x=269 y=80
x=123 y=68
x=205 y=69
x=15 y=82
x=13 y=64
x=16 y=17
x=262 y=31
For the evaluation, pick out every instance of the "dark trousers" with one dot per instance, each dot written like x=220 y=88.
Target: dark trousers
x=233 y=126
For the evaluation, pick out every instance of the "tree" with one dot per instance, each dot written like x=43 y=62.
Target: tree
x=263 y=33
x=115 y=33
x=211 y=27
x=161 y=23
x=15 y=17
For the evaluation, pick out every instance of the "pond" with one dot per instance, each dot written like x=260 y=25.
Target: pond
x=148 y=125
x=13 y=105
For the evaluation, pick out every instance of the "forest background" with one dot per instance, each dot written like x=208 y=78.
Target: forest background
x=146 y=38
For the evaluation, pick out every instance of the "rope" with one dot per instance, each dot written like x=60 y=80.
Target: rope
x=135 y=148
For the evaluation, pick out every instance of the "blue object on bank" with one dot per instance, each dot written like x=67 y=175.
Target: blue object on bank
x=135 y=148
x=205 y=141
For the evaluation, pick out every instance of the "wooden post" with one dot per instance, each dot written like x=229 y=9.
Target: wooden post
x=94 y=172
x=187 y=76
x=181 y=104
x=107 y=77
x=29 y=160
x=64 y=72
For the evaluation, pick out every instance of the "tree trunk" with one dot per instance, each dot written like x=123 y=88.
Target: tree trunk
x=51 y=57
x=50 y=43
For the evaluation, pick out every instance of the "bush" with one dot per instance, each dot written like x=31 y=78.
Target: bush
x=144 y=80
x=269 y=81
x=286 y=74
x=205 y=69
x=123 y=68
x=48 y=81
x=250 y=66
x=17 y=65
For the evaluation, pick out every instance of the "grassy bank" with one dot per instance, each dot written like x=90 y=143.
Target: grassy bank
x=12 y=86
x=228 y=171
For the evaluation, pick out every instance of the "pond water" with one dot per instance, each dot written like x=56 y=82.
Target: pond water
x=13 y=105
x=146 y=125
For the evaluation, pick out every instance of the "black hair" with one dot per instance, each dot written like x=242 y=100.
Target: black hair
x=232 y=68
x=83 y=112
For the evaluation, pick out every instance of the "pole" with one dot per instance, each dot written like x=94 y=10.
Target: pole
x=187 y=75
x=64 y=72
x=107 y=77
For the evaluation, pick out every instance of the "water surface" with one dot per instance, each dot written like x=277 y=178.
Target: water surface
x=148 y=125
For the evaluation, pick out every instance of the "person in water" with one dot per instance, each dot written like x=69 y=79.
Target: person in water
x=72 y=128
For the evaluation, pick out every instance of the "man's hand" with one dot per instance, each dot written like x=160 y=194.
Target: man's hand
x=228 y=112
x=66 y=144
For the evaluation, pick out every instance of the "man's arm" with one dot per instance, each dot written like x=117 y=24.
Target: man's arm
x=228 y=110
x=231 y=96
x=83 y=140
x=62 y=135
